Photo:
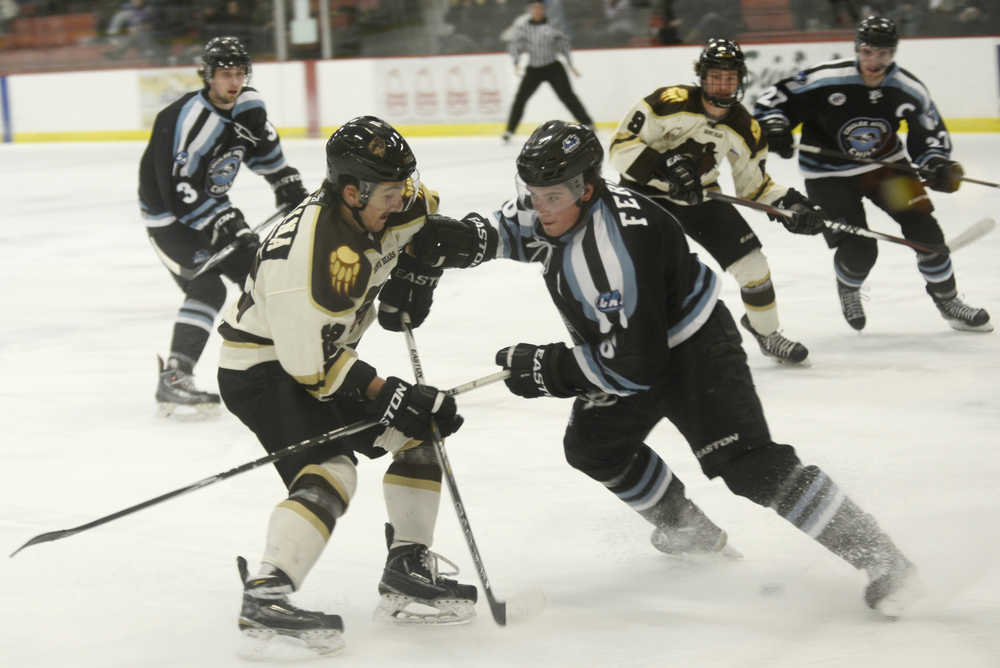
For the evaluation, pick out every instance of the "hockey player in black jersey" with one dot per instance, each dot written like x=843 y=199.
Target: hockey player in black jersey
x=650 y=340
x=197 y=146
x=670 y=147
x=854 y=107
x=290 y=370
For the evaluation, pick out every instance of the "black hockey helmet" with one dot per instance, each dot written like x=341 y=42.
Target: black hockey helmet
x=366 y=151
x=557 y=151
x=877 y=31
x=226 y=51
x=722 y=54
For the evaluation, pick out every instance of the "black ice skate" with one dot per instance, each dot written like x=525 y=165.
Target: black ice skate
x=176 y=388
x=850 y=306
x=893 y=585
x=267 y=613
x=776 y=345
x=963 y=317
x=413 y=591
x=692 y=534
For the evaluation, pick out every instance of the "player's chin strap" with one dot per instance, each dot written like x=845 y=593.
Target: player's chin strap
x=975 y=231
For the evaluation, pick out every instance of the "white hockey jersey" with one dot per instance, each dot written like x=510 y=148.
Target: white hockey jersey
x=308 y=299
x=673 y=119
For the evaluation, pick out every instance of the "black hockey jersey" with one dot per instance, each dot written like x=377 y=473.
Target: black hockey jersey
x=625 y=283
x=195 y=152
x=839 y=112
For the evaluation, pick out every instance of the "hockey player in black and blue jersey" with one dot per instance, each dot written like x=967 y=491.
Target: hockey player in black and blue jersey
x=854 y=107
x=651 y=340
x=197 y=146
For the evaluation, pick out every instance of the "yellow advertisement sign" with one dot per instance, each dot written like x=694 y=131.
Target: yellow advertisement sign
x=158 y=88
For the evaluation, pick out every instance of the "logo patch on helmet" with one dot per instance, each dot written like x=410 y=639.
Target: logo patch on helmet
x=377 y=147
x=570 y=143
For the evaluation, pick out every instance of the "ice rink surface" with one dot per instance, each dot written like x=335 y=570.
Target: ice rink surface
x=904 y=416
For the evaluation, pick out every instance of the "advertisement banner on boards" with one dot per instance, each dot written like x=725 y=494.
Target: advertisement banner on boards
x=158 y=88
x=473 y=89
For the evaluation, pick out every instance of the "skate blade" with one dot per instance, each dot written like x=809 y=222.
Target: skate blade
x=187 y=412
x=266 y=645
x=965 y=327
x=442 y=612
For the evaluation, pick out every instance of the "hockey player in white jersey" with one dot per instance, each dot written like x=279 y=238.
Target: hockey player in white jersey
x=290 y=370
x=854 y=107
x=670 y=146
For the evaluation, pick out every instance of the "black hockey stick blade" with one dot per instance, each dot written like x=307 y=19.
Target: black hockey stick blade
x=346 y=430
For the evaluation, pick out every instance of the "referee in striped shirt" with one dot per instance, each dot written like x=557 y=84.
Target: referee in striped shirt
x=542 y=43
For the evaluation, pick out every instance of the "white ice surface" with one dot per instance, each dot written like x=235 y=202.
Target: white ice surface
x=904 y=416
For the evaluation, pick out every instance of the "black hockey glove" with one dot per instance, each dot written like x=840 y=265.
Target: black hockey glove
x=779 y=136
x=807 y=217
x=534 y=370
x=448 y=243
x=942 y=174
x=410 y=409
x=410 y=289
x=229 y=226
x=288 y=189
x=678 y=169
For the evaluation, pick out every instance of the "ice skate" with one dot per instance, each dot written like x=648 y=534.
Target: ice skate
x=693 y=535
x=175 y=388
x=850 y=306
x=414 y=591
x=963 y=317
x=266 y=614
x=893 y=586
x=776 y=345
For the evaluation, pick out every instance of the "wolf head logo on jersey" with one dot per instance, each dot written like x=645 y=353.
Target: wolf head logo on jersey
x=863 y=137
x=222 y=171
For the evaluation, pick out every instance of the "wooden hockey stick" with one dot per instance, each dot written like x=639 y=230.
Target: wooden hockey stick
x=909 y=169
x=503 y=611
x=975 y=231
x=333 y=435
x=220 y=256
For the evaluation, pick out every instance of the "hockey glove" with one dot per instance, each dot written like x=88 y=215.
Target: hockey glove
x=229 y=226
x=448 y=243
x=534 y=370
x=779 y=136
x=410 y=409
x=410 y=289
x=942 y=174
x=807 y=217
x=288 y=189
x=678 y=169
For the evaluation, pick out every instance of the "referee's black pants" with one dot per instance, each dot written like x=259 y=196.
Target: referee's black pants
x=555 y=74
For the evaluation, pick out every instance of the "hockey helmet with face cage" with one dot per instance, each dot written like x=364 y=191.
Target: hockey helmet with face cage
x=559 y=154
x=367 y=151
x=226 y=51
x=722 y=54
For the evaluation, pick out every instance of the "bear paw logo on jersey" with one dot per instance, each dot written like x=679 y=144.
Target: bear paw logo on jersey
x=345 y=265
x=863 y=137
x=674 y=94
x=222 y=171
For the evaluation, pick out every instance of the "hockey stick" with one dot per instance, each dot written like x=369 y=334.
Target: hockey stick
x=978 y=229
x=220 y=256
x=909 y=169
x=335 y=434
x=501 y=611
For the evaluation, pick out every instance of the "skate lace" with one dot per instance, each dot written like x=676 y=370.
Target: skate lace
x=850 y=303
x=776 y=343
x=430 y=560
x=956 y=308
